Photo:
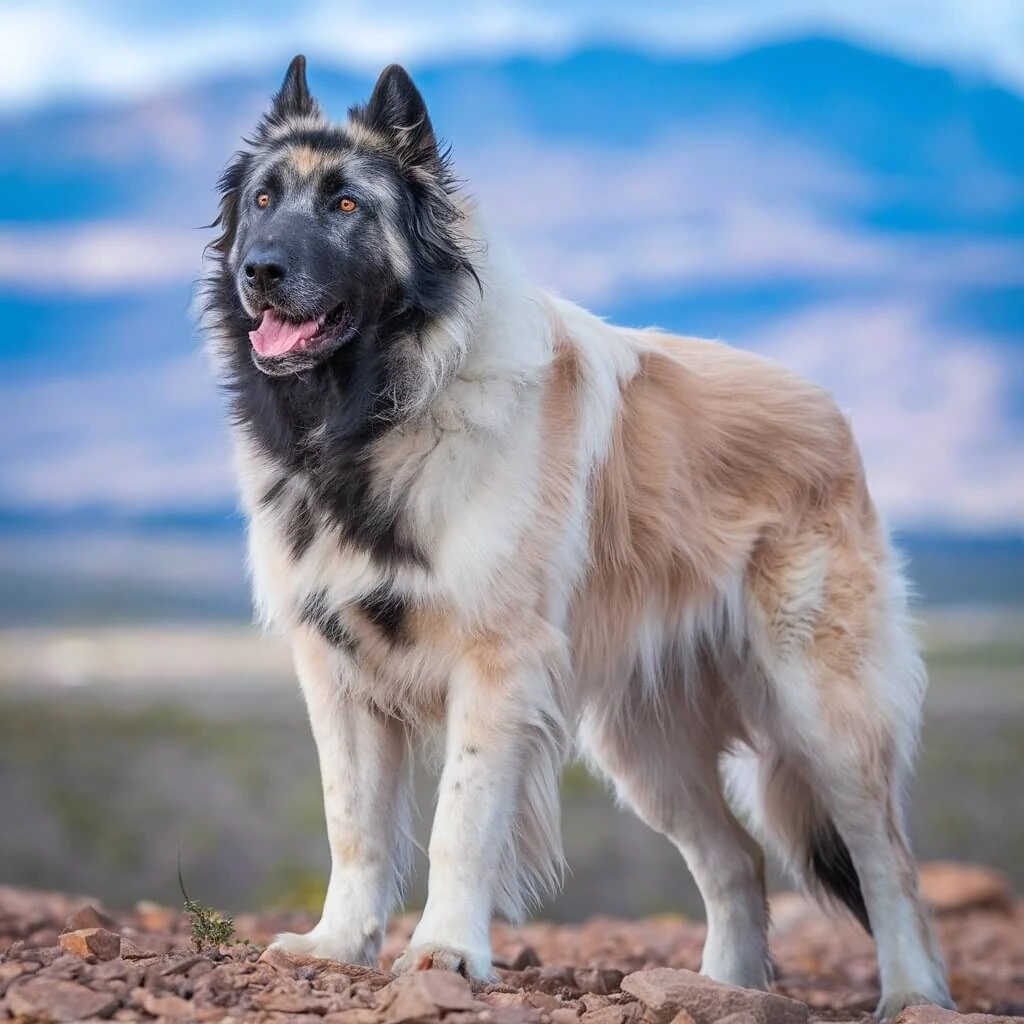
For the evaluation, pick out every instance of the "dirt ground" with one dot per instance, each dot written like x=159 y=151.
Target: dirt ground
x=63 y=959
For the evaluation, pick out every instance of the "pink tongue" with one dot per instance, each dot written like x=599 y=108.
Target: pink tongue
x=277 y=337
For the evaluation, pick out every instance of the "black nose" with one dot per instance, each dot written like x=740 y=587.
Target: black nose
x=264 y=268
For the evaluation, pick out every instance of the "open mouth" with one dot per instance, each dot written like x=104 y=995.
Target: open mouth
x=277 y=336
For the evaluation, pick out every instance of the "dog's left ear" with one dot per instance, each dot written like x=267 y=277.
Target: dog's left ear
x=294 y=99
x=396 y=110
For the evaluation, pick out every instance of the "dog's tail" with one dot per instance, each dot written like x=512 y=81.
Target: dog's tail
x=781 y=806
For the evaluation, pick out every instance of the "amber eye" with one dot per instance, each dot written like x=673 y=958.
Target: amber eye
x=346 y=205
x=263 y=200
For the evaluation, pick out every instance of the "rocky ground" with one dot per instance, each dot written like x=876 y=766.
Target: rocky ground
x=63 y=959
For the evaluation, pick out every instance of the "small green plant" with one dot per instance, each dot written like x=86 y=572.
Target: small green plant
x=210 y=928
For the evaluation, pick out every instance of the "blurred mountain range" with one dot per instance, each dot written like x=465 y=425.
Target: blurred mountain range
x=857 y=216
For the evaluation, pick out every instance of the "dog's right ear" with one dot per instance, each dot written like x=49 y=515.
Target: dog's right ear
x=294 y=99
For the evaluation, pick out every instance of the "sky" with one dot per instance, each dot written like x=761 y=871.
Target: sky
x=53 y=48
x=876 y=251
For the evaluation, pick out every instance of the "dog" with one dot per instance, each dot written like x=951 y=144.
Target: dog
x=488 y=520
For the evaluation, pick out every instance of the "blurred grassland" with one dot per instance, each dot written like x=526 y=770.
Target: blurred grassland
x=196 y=739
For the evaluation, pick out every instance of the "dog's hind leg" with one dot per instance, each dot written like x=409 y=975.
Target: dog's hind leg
x=663 y=760
x=846 y=682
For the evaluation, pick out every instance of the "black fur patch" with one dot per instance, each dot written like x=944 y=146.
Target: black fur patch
x=274 y=492
x=300 y=528
x=322 y=423
x=388 y=611
x=830 y=863
x=327 y=622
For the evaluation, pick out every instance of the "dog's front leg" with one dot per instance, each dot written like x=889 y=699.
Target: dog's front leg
x=487 y=728
x=367 y=801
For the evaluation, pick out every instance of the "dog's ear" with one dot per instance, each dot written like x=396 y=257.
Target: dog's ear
x=396 y=110
x=294 y=99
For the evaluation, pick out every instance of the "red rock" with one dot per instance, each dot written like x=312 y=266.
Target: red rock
x=665 y=991
x=353 y=1015
x=154 y=918
x=184 y=965
x=142 y=947
x=290 y=1002
x=929 y=1014
x=952 y=888
x=609 y=1015
x=497 y=1015
x=92 y=942
x=544 y=1001
x=599 y=981
x=526 y=957
x=89 y=917
x=8 y=972
x=167 y=1006
x=55 y=1000
x=420 y=994
x=553 y=980
x=740 y=1017
x=567 y=1013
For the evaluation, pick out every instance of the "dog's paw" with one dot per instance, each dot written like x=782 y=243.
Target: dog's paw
x=431 y=956
x=347 y=949
x=892 y=1005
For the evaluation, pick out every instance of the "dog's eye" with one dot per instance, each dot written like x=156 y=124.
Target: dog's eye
x=346 y=205
x=263 y=200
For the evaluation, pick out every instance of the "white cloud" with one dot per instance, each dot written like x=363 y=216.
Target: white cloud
x=929 y=407
x=97 y=258
x=710 y=206
x=722 y=205
x=66 y=47
x=145 y=440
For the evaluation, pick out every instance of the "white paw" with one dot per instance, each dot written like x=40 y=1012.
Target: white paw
x=433 y=956
x=345 y=948
x=891 y=1005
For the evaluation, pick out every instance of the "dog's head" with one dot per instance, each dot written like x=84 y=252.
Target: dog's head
x=332 y=233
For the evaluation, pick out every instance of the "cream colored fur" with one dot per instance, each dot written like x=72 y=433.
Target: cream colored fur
x=660 y=546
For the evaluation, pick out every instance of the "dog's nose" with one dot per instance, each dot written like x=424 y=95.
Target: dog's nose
x=264 y=268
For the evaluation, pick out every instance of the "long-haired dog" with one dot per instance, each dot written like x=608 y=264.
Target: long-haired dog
x=480 y=513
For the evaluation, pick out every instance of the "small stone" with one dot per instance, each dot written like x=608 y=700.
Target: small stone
x=929 y=1014
x=89 y=917
x=952 y=888
x=606 y=1015
x=544 y=1001
x=167 y=1006
x=554 y=980
x=740 y=1017
x=611 y=1015
x=420 y=994
x=526 y=957
x=523 y=1014
x=353 y=1015
x=47 y=999
x=95 y=943
x=290 y=1002
x=142 y=947
x=599 y=981
x=154 y=918
x=184 y=965
x=665 y=991
x=565 y=1014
